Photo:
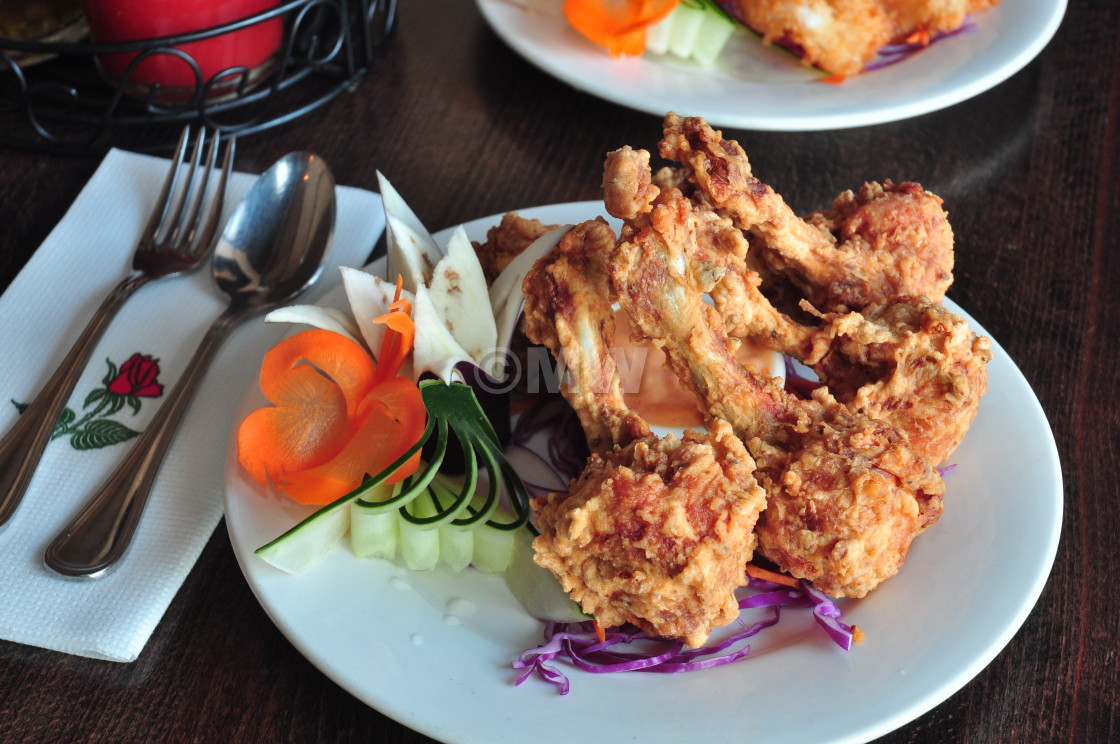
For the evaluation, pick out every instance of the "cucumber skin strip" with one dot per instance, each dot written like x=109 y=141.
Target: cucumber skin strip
x=446 y=515
x=358 y=492
x=417 y=484
x=493 y=493
x=474 y=428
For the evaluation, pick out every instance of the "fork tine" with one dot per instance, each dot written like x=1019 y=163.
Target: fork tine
x=206 y=238
x=189 y=227
x=163 y=203
x=173 y=229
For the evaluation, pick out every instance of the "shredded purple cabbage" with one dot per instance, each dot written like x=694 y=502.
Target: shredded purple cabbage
x=894 y=53
x=578 y=644
x=565 y=452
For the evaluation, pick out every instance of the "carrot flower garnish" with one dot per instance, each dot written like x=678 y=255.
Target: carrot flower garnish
x=617 y=25
x=337 y=415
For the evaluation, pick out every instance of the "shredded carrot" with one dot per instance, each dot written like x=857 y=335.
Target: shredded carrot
x=766 y=575
x=834 y=79
x=920 y=37
x=600 y=633
x=337 y=415
x=617 y=25
x=395 y=347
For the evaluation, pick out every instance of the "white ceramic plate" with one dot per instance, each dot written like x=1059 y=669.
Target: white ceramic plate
x=408 y=645
x=754 y=87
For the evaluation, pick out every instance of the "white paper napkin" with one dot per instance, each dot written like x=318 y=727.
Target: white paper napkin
x=41 y=314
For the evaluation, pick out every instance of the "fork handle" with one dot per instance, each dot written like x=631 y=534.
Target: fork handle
x=22 y=447
x=100 y=534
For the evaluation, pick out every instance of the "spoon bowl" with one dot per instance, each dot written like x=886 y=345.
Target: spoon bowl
x=274 y=242
x=271 y=249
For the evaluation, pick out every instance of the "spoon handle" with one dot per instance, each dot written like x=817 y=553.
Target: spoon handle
x=100 y=534
x=23 y=445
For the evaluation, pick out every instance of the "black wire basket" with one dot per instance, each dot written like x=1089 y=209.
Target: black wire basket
x=54 y=98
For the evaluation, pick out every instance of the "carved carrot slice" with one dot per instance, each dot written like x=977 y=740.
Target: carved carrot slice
x=315 y=380
x=617 y=25
x=394 y=421
x=336 y=416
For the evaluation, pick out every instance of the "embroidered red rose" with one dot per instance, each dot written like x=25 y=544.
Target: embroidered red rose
x=137 y=377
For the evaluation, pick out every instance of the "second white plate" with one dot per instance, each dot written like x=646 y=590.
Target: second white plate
x=755 y=87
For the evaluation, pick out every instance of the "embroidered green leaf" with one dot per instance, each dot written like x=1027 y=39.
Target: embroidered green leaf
x=134 y=403
x=95 y=396
x=111 y=373
x=21 y=407
x=101 y=433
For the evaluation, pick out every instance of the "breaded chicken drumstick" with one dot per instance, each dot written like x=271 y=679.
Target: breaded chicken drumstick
x=654 y=532
x=885 y=241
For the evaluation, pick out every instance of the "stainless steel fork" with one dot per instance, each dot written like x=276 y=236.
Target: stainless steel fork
x=177 y=239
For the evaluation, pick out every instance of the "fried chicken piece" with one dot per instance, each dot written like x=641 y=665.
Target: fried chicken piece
x=655 y=532
x=846 y=495
x=839 y=36
x=506 y=240
x=568 y=310
x=627 y=186
x=911 y=363
x=932 y=16
x=888 y=240
x=842 y=36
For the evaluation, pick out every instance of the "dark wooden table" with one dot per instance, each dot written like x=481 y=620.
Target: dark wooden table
x=465 y=128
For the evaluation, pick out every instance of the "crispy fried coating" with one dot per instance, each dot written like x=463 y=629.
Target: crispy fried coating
x=627 y=183
x=839 y=36
x=885 y=241
x=911 y=363
x=655 y=532
x=568 y=310
x=932 y=16
x=842 y=36
x=506 y=240
x=845 y=493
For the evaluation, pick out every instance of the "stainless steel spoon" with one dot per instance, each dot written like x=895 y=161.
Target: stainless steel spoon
x=272 y=248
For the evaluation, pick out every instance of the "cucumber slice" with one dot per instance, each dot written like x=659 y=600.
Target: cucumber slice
x=420 y=543
x=306 y=547
x=695 y=29
x=686 y=27
x=456 y=547
x=657 y=35
x=493 y=550
x=306 y=544
x=712 y=36
x=537 y=589
x=375 y=535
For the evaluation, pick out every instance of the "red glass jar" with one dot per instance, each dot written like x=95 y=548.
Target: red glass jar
x=253 y=48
